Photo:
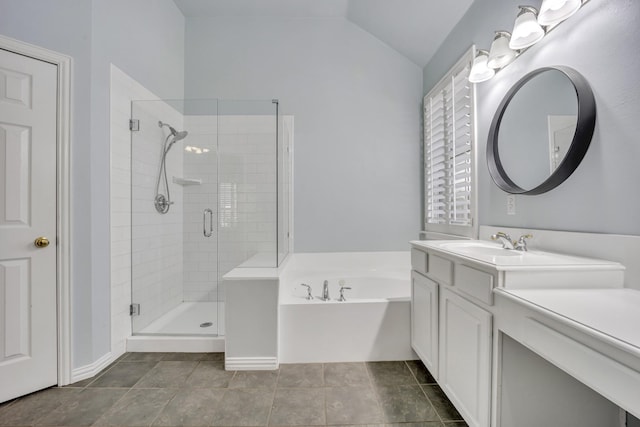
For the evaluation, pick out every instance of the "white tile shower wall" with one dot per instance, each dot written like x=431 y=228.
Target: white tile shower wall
x=242 y=194
x=200 y=253
x=123 y=90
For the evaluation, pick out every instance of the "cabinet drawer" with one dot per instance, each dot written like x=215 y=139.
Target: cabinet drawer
x=440 y=269
x=419 y=261
x=477 y=283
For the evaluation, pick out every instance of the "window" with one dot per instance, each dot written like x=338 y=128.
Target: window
x=449 y=153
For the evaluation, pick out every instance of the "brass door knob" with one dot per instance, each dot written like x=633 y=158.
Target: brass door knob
x=41 y=242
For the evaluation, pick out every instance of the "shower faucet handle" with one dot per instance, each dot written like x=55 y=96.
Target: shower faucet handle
x=309 y=296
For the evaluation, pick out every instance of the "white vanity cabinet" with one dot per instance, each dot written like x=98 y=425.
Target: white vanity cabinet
x=424 y=320
x=465 y=356
x=459 y=325
x=451 y=330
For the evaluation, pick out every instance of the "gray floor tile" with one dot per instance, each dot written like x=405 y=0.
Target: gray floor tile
x=352 y=405
x=441 y=403
x=425 y=424
x=456 y=424
x=174 y=357
x=27 y=410
x=123 y=374
x=84 y=408
x=82 y=383
x=345 y=374
x=421 y=373
x=213 y=357
x=137 y=408
x=254 y=379
x=244 y=407
x=298 y=407
x=167 y=374
x=209 y=375
x=191 y=407
x=144 y=357
x=405 y=404
x=390 y=373
x=301 y=375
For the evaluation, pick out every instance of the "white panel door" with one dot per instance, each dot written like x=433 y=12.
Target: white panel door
x=424 y=321
x=28 y=342
x=465 y=357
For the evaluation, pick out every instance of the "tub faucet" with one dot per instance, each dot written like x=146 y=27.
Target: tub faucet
x=505 y=239
x=342 y=288
x=325 y=291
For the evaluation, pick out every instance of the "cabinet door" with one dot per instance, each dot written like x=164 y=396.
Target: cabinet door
x=424 y=320
x=465 y=357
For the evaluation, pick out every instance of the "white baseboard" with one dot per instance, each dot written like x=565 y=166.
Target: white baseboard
x=251 y=363
x=92 y=369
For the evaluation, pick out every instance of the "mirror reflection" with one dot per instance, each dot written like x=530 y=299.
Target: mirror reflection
x=537 y=128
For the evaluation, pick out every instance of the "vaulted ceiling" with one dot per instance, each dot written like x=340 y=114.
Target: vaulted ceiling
x=415 y=28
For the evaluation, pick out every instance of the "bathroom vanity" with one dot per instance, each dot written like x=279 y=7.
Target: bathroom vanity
x=501 y=330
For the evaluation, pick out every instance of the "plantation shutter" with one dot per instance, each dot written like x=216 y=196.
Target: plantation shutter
x=449 y=152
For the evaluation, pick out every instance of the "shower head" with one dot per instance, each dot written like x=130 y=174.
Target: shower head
x=177 y=135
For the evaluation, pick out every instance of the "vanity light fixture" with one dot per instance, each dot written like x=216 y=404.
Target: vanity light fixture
x=480 y=71
x=553 y=12
x=526 y=30
x=529 y=28
x=500 y=54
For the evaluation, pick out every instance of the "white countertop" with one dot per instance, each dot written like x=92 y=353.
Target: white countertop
x=612 y=312
x=503 y=259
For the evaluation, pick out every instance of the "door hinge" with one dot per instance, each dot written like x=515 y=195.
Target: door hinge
x=134 y=125
x=134 y=310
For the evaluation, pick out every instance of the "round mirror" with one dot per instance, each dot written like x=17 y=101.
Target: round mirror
x=541 y=131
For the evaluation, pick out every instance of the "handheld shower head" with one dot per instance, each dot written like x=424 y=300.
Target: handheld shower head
x=177 y=135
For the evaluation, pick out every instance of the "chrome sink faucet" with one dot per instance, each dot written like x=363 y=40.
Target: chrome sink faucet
x=521 y=244
x=505 y=239
x=507 y=243
x=325 y=291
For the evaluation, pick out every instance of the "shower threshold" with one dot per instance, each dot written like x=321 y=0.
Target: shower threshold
x=189 y=327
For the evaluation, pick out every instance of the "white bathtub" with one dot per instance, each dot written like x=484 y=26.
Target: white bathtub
x=373 y=324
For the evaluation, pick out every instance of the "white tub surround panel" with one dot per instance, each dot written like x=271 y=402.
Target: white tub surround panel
x=371 y=325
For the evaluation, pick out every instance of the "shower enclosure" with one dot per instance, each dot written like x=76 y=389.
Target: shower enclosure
x=210 y=192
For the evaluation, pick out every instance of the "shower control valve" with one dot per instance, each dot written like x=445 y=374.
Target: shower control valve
x=309 y=296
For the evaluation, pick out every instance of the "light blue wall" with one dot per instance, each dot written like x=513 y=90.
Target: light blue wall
x=65 y=26
x=601 y=42
x=143 y=38
x=356 y=104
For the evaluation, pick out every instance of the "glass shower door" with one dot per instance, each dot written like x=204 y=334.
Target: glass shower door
x=173 y=212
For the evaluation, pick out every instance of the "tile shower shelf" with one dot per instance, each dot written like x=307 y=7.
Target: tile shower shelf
x=186 y=181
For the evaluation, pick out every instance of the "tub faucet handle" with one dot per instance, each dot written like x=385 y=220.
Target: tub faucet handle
x=342 y=288
x=309 y=296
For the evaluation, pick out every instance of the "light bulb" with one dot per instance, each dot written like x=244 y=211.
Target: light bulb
x=480 y=71
x=500 y=53
x=526 y=30
x=553 y=12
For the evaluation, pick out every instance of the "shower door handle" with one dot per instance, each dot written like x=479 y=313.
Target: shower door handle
x=204 y=222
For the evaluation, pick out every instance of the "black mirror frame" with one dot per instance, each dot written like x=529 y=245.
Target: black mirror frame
x=579 y=145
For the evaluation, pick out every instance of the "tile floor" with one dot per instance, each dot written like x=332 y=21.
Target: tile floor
x=193 y=389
